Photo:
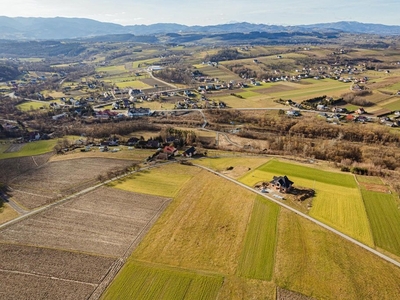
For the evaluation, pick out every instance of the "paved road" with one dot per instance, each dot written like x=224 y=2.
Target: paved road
x=13 y=204
x=279 y=202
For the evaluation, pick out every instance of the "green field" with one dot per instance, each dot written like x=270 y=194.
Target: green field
x=393 y=106
x=31 y=149
x=283 y=168
x=384 y=216
x=337 y=203
x=136 y=84
x=369 y=179
x=143 y=281
x=257 y=259
x=164 y=181
x=32 y=105
x=111 y=69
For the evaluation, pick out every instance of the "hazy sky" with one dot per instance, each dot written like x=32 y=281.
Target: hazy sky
x=207 y=12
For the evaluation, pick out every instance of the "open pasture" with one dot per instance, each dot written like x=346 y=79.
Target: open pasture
x=258 y=256
x=241 y=165
x=112 y=70
x=318 y=263
x=203 y=228
x=384 y=216
x=39 y=186
x=162 y=181
x=31 y=149
x=103 y=222
x=32 y=105
x=144 y=281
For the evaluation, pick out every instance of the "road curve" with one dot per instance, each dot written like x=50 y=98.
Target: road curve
x=346 y=237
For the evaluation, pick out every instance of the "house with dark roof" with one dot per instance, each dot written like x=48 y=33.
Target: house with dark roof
x=190 y=152
x=281 y=183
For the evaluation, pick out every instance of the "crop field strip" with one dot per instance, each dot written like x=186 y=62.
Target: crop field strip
x=206 y=226
x=315 y=262
x=384 y=216
x=139 y=280
x=258 y=256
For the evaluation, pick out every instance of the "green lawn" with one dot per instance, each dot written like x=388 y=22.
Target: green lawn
x=32 y=105
x=31 y=149
x=144 y=281
x=384 y=216
x=283 y=168
x=257 y=259
x=369 y=179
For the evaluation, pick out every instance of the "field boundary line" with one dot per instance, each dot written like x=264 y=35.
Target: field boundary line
x=315 y=221
x=82 y=192
x=47 y=276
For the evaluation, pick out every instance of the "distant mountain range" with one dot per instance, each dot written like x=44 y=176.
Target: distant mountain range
x=70 y=28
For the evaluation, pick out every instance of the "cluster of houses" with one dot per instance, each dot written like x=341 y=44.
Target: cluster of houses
x=169 y=152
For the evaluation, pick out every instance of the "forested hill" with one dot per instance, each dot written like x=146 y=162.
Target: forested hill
x=67 y=28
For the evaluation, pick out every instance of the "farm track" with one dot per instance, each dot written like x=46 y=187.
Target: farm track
x=348 y=238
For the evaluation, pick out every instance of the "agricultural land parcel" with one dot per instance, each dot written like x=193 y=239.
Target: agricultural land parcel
x=337 y=203
x=51 y=181
x=187 y=239
x=67 y=250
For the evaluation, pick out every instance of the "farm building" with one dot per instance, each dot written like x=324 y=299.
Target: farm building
x=281 y=183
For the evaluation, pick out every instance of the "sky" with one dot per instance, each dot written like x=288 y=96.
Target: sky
x=210 y=12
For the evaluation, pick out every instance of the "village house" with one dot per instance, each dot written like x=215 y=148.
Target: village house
x=281 y=184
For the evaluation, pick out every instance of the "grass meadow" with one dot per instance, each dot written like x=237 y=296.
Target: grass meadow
x=32 y=105
x=317 y=263
x=384 y=216
x=203 y=228
x=258 y=256
x=143 y=281
x=163 y=181
x=31 y=149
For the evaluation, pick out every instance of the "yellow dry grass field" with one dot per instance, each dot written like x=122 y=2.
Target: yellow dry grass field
x=7 y=214
x=161 y=181
x=241 y=165
x=317 y=263
x=203 y=228
x=237 y=288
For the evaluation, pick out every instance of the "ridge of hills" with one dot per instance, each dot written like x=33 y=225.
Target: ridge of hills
x=58 y=28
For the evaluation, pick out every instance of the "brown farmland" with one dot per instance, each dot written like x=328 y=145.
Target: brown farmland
x=43 y=185
x=105 y=222
x=72 y=250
